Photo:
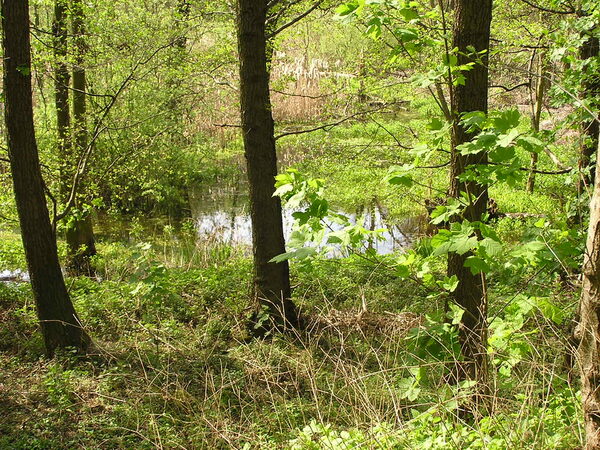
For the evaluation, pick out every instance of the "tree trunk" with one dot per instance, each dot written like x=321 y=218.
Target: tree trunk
x=590 y=127
x=588 y=330
x=59 y=322
x=471 y=28
x=183 y=12
x=537 y=103
x=178 y=60
x=80 y=232
x=61 y=98
x=271 y=280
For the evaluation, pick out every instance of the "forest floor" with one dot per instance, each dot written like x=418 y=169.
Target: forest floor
x=175 y=369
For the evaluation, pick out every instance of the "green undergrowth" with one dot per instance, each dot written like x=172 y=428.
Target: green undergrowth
x=175 y=368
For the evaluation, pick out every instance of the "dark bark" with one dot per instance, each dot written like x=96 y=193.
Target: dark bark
x=183 y=11
x=588 y=329
x=81 y=245
x=178 y=60
x=59 y=322
x=61 y=98
x=271 y=280
x=471 y=28
x=590 y=128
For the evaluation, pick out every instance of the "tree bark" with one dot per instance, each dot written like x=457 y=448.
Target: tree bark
x=537 y=103
x=81 y=245
x=183 y=12
x=590 y=128
x=61 y=98
x=59 y=322
x=271 y=280
x=588 y=330
x=471 y=28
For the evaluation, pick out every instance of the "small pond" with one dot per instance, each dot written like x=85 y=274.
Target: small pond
x=222 y=214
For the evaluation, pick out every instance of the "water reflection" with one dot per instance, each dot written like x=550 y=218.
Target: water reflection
x=222 y=213
x=13 y=276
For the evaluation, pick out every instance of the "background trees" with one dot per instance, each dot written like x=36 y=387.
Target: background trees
x=383 y=127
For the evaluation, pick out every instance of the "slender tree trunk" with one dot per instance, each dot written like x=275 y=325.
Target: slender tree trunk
x=80 y=232
x=177 y=61
x=471 y=28
x=59 y=323
x=590 y=127
x=183 y=11
x=588 y=330
x=271 y=280
x=536 y=114
x=61 y=98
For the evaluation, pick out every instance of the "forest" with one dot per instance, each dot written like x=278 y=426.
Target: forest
x=300 y=224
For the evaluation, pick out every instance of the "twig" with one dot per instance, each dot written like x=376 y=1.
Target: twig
x=506 y=89
x=294 y=20
x=328 y=125
x=553 y=11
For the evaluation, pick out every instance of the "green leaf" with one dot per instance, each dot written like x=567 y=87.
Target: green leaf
x=450 y=283
x=283 y=189
x=490 y=247
x=398 y=175
x=420 y=150
x=283 y=257
x=550 y=310
x=462 y=244
x=456 y=313
x=477 y=265
x=402 y=180
x=406 y=34
x=408 y=389
x=530 y=143
x=409 y=14
x=506 y=140
x=435 y=124
x=502 y=154
x=24 y=70
x=300 y=253
x=507 y=120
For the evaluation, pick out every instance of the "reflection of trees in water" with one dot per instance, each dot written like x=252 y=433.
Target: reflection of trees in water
x=221 y=214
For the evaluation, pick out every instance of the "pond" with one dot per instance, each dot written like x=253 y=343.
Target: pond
x=222 y=214
x=13 y=276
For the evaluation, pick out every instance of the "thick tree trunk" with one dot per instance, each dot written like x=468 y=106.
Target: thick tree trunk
x=591 y=127
x=81 y=245
x=271 y=280
x=61 y=98
x=59 y=323
x=588 y=330
x=471 y=28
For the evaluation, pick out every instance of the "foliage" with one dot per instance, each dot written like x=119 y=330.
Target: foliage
x=168 y=310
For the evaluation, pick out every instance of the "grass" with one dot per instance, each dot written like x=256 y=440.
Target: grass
x=175 y=370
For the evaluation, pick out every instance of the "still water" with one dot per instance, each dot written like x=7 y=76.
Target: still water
x=222 y=214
